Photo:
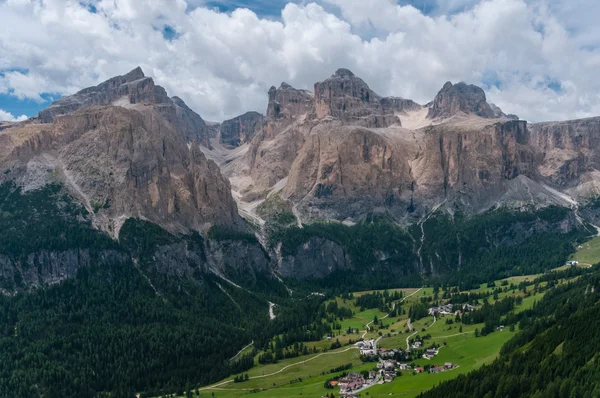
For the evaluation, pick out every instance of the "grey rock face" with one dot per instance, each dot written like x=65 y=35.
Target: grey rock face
x=568 y=153
x=397 y=104
x=460 y=97
x=316 y=258
x=241 y=129
x=348 y=98
x=238 y=260
x=286 y=102
x=50 y=267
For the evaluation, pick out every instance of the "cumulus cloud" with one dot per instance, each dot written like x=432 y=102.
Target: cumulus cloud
x=529 y=55
x=8 y=117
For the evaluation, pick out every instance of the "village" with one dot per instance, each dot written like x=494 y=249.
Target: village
x=387 y=368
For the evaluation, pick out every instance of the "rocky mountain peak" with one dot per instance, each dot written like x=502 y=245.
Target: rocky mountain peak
x=348 y=98
x=460 y=98
x=342 y=72
x=288 y=102
x=131 y=88
x=241 y=129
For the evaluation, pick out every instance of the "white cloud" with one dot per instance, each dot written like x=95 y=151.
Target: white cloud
x=8 y=117
x=222 y=64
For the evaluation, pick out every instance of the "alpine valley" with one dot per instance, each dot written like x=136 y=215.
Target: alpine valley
x=145 y=251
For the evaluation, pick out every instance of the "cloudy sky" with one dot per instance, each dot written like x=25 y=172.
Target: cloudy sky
x=536 y=58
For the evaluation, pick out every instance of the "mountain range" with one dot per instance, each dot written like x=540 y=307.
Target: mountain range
x=334 y=188
x=125 y=149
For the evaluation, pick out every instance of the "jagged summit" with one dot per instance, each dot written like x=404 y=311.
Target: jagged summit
x=343 y=72
x=460 y=98
x=348 y=98
x=288 y=102
x=133 y=88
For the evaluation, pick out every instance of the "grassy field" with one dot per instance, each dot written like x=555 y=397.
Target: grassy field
x=306 y=375
x=466 y=350
x=588 y=253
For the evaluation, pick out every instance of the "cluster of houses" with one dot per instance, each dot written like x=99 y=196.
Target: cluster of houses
x=351 y=383
x=367 y=347
x=450 y=309
x=439 y=369
x=430 y=353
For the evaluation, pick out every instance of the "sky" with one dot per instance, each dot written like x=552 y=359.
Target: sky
x=538 y=59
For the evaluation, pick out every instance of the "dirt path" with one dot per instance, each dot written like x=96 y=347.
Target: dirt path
x=402 y=300
x=280 y=370
x=407 y=343
x=238 y=354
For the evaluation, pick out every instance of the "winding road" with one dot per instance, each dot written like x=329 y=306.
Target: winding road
x=402 y=300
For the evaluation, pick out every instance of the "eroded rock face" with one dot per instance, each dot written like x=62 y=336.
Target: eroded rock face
x=47 y=267
x=460 y=98
x=346 y=170
x=568 y=154
x=400 y=105
x=348 y=98
x=241 y=129
x=287 y=102
x=316 y=258
x=130 y=89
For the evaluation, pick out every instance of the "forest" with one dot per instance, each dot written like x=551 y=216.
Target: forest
x=121 y=328
x=554 y=354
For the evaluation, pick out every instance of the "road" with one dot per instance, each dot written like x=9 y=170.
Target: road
x=407 y=343
x=403 y=298
x=236 y=355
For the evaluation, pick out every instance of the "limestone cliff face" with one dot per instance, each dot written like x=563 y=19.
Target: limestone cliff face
x=344 y=171
x=471 y=163
x=241 y=129
x=348 y=98
x=127 y=159
x=316 y=258
x=460 y=98
x=568 y=155
x=347 y=170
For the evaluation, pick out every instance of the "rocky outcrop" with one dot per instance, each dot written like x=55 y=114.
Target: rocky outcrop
x=460 y=98
x=346 y=97
x=139 y=166
x=286 y=102
x=316 y=258
x=241 y=129
x=239 y=260
x=47 y=267
x=400 y=105
x=568 y=154
x=131 y=89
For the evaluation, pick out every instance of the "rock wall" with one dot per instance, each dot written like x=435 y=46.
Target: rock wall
x=567 y=154
x=241 y=129
x=47 y=267
x=316 y=258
